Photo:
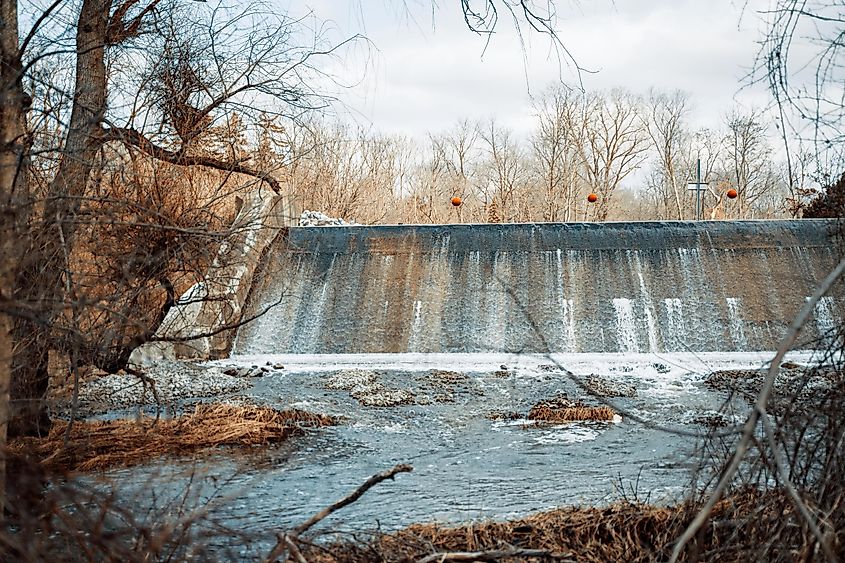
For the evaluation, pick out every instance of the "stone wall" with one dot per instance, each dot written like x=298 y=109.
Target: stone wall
x=196 y=326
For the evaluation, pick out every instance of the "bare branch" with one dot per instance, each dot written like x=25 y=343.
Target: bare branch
x=758 y=410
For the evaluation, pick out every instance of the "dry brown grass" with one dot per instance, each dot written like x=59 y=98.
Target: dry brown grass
x=104 y=444
x=561 y=409
x=546 y=414
x=621 y=532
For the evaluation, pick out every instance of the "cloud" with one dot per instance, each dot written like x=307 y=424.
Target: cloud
x=427 y=74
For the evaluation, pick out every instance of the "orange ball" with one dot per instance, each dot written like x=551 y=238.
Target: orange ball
x=732 y=194
x=456 y=201
x=592 y=198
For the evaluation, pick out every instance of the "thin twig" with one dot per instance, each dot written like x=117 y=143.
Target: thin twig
x=758 y=410
x=782 y=470
x=285 y=539
x=491 y=555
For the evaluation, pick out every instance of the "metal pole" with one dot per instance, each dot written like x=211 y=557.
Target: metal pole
x=698 y=192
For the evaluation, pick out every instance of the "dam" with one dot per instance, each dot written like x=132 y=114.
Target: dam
x=636 y=287
x=432 y=344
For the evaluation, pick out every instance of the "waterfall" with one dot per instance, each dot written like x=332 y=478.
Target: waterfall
x=626 y=331
x=824 y=314
x=579 y=287
x=675 y=324
x=735 y=323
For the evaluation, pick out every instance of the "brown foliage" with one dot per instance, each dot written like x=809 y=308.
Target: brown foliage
x=830 y=203
x=561 y=409
x=625 y=531
x=105 y=444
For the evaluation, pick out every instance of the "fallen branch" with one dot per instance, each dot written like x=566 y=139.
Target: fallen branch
x=491 y=555
x=287 y=540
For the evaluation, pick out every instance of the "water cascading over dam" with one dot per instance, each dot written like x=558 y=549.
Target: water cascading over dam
x=582 y=287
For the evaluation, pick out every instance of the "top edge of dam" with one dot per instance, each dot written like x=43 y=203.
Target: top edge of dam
x=543 y=237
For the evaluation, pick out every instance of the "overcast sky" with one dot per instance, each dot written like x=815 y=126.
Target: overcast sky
x=423 y=69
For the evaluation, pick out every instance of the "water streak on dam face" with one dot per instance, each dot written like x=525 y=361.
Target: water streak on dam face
x=613 y=287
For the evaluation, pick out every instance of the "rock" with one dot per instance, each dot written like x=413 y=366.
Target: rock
x=503 y=367
x=446 y=386
x=231 y=371
x=445 y=377
x=794 y=388
x=548 y=367
x=602 y=387
x=711 y=420
x=278 y=366
x=318 y=219
x=347 y=380
x=501 y=373
x=503 y=415
x=789 y=365
x=174 y=381
x=661 y=368
x=377 y=395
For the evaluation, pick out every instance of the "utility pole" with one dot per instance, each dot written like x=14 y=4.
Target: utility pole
x=697 y=186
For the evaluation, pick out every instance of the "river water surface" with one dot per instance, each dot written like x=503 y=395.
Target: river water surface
x=466 y=465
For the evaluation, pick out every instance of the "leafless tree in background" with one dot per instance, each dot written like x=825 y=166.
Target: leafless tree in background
x=747 y=161
x=665 y=123
x=553 y=146
x=504 y=173
x=613 y=143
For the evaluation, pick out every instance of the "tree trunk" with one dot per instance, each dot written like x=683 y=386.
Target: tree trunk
x=13 y=194
x=39 y=280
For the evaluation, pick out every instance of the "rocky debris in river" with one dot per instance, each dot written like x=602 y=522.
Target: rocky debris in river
x=445 y=386
x=661 y=368
x=712 y=419
x=377 y=395
x=603 y=387
x=364 y=386
x=801 y=387
x=174 y=381
x=549 y=367
x=502 y=374
x=253 y=371
x=319 y=219
x=503 y=416
x=348 y=379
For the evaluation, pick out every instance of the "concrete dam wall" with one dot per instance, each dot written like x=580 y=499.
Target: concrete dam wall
x=582 y=287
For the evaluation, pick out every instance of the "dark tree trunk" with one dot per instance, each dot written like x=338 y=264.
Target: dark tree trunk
x=40 y=280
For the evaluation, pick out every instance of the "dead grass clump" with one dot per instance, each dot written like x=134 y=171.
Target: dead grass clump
x=104 y=444
x=625 y=531
x=562 y=409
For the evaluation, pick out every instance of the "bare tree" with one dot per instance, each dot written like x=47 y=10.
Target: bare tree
x=613 y=143
x=747 y=161
x=554 y=147
x=197 y=71
x=665 y=125
x=504 y=172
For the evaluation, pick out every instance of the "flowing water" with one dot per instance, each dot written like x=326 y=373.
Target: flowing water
x=651 y=305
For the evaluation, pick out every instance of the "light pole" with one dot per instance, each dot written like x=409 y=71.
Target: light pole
x=697 y=186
